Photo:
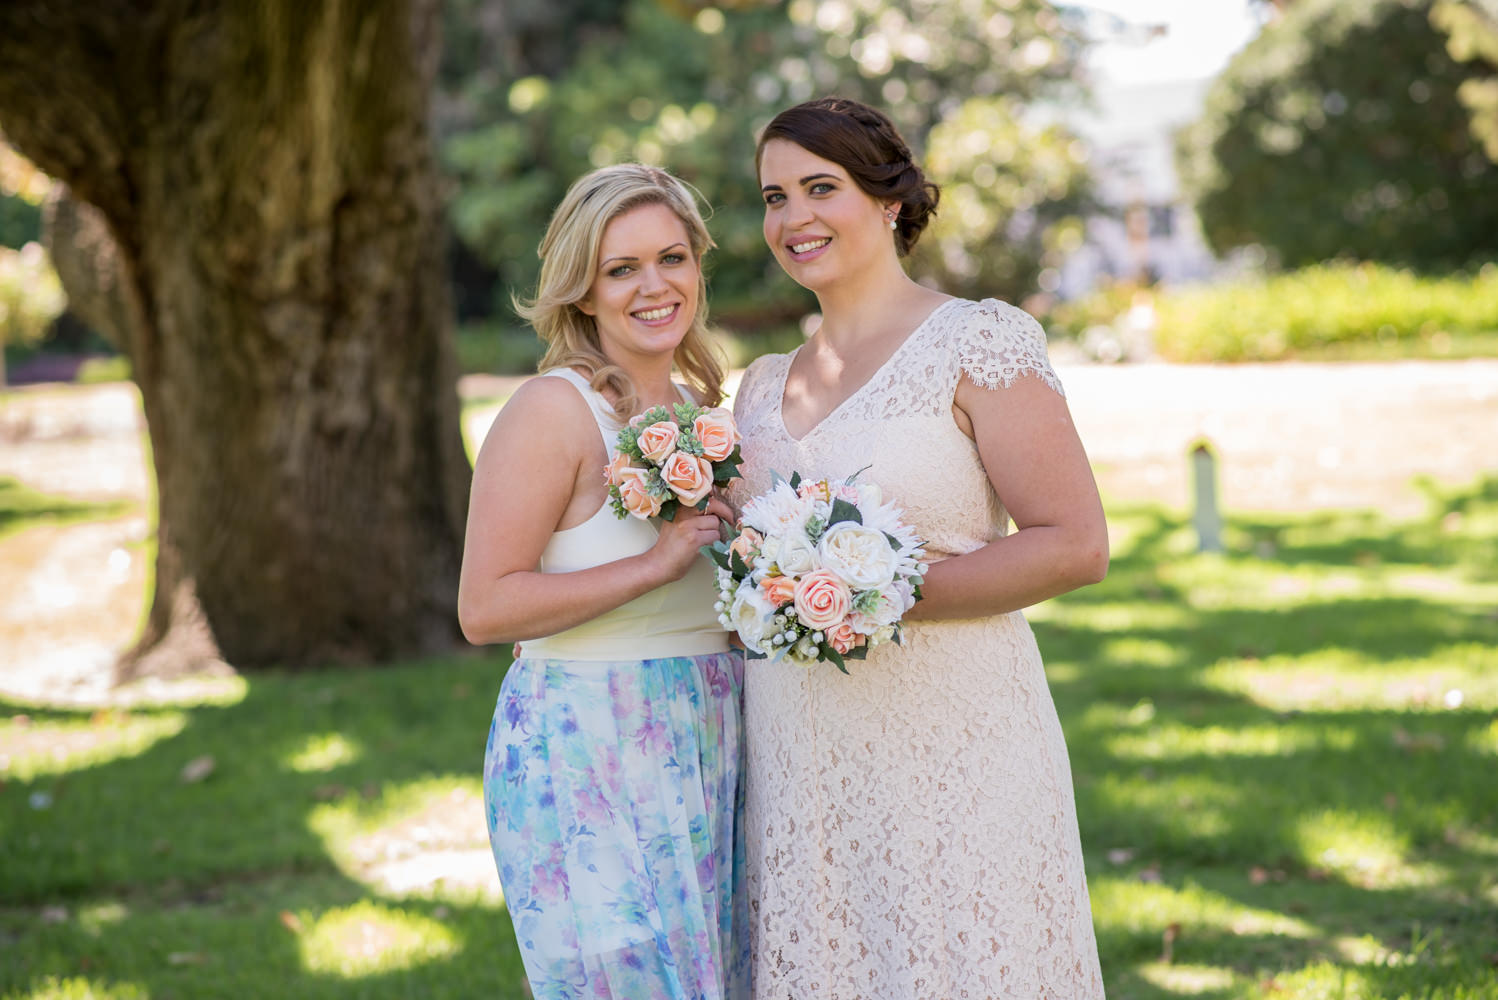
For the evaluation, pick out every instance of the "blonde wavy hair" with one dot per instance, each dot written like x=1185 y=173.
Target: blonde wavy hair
x=569 y=264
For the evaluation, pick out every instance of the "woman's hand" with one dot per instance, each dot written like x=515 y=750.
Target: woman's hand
x=681 y=540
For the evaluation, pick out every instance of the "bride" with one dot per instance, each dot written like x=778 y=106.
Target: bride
x=911 y=828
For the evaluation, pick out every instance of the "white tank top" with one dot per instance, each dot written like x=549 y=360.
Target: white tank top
x=676 y=619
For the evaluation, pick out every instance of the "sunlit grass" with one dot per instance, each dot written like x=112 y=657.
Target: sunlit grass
x=78 y=988
x=323 y=752
x=31 y=749
x=367 y=938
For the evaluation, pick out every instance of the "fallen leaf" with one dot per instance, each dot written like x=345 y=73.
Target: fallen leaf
x=327 y=793
x=1121 y=855
x=1167 y=951
x=1150 y=874
x=186 y=958
x=1258 y=875
x=54 y=914
x=197 y=769
x=291 y=921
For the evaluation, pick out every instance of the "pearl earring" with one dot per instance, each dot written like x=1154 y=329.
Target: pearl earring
x=892 y=223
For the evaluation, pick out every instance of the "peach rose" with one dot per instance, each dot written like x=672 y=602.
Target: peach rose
x=818 y=490
x=842 y=637
x=658 y=441
x=613 y=473
x=636 y=496
x=822 y=600
x=779 y=590
x=717 y=432
x=745 y=543
x=690 y=477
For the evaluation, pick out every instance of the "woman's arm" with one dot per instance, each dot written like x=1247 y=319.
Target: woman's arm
x=1034 y=459
x=543 y=444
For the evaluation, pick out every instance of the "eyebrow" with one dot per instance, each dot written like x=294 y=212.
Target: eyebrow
x=668 y=249
x=803 y=182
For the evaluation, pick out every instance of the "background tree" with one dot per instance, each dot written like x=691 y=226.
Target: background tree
x=271 y=207
x=1339 y=131
x=731 y=67
x=1471 y=28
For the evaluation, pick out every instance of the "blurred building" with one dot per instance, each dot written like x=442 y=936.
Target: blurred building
x=1148 y=231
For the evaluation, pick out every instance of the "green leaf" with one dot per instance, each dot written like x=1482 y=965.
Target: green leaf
x=737 y=566
x=668 y=511
x=795 y=480
x=835 y=657
x=894 y=542
x=718 y=556
x=858 y=652
x=842 y=510
x=725 y=470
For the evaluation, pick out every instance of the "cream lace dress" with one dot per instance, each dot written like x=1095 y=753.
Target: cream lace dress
x=912 y=832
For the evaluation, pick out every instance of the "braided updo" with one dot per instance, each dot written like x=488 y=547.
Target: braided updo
x=864 y=142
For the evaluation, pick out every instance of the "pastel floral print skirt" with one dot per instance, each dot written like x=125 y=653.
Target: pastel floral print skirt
x=613 y=795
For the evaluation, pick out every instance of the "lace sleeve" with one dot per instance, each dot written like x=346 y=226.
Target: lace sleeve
x=1000 y=343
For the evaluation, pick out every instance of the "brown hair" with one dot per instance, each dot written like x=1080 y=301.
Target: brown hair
x=569 y=263
x=864 y=142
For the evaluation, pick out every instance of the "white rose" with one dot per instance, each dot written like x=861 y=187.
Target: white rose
x=749 y=615
x=795 y=554
x=860 y=555
x=904 y=594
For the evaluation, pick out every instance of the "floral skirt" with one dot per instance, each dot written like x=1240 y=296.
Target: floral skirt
x=613 y=795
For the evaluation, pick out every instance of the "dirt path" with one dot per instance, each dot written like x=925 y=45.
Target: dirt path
x=1290 y=436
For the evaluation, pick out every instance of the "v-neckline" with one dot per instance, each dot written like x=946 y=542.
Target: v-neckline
x=791 y=358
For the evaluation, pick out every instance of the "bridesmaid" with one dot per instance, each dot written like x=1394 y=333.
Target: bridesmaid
x=611 y=774
x=911 y=828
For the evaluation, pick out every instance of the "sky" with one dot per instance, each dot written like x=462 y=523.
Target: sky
x=1201 y=35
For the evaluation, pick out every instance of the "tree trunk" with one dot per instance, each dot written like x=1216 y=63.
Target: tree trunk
x=267 y=176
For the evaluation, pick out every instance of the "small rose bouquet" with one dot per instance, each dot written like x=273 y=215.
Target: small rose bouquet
x=818 y=571
x=669 y=457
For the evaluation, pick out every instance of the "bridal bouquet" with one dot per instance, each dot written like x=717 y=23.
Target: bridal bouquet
x=818 y=571
x=669 y=457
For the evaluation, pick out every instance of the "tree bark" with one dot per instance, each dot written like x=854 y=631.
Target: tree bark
x=267 y=177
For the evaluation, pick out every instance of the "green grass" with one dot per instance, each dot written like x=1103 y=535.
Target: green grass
x=21 y=507
x=1275 y=783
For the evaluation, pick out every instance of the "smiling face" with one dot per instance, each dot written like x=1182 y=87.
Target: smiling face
x=644 y=292
x=820 y=225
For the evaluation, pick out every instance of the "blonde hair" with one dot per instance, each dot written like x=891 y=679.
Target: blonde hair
x=569 y=264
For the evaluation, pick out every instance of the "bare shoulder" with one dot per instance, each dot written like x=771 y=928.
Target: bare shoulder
x=546 y=412
x=547 y=395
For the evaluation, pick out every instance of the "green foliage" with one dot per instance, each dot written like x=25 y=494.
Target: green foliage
x=1471 y=28
x=20 y=221
x=31 y=295
x=1323 y=308
x=497 y=349
x=1338 y=132
x=1284 y=782
x=697 y=113
x=1005 y=184
x=22 y=188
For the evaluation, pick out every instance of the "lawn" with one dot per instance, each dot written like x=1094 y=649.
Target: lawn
x=1286 y=762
